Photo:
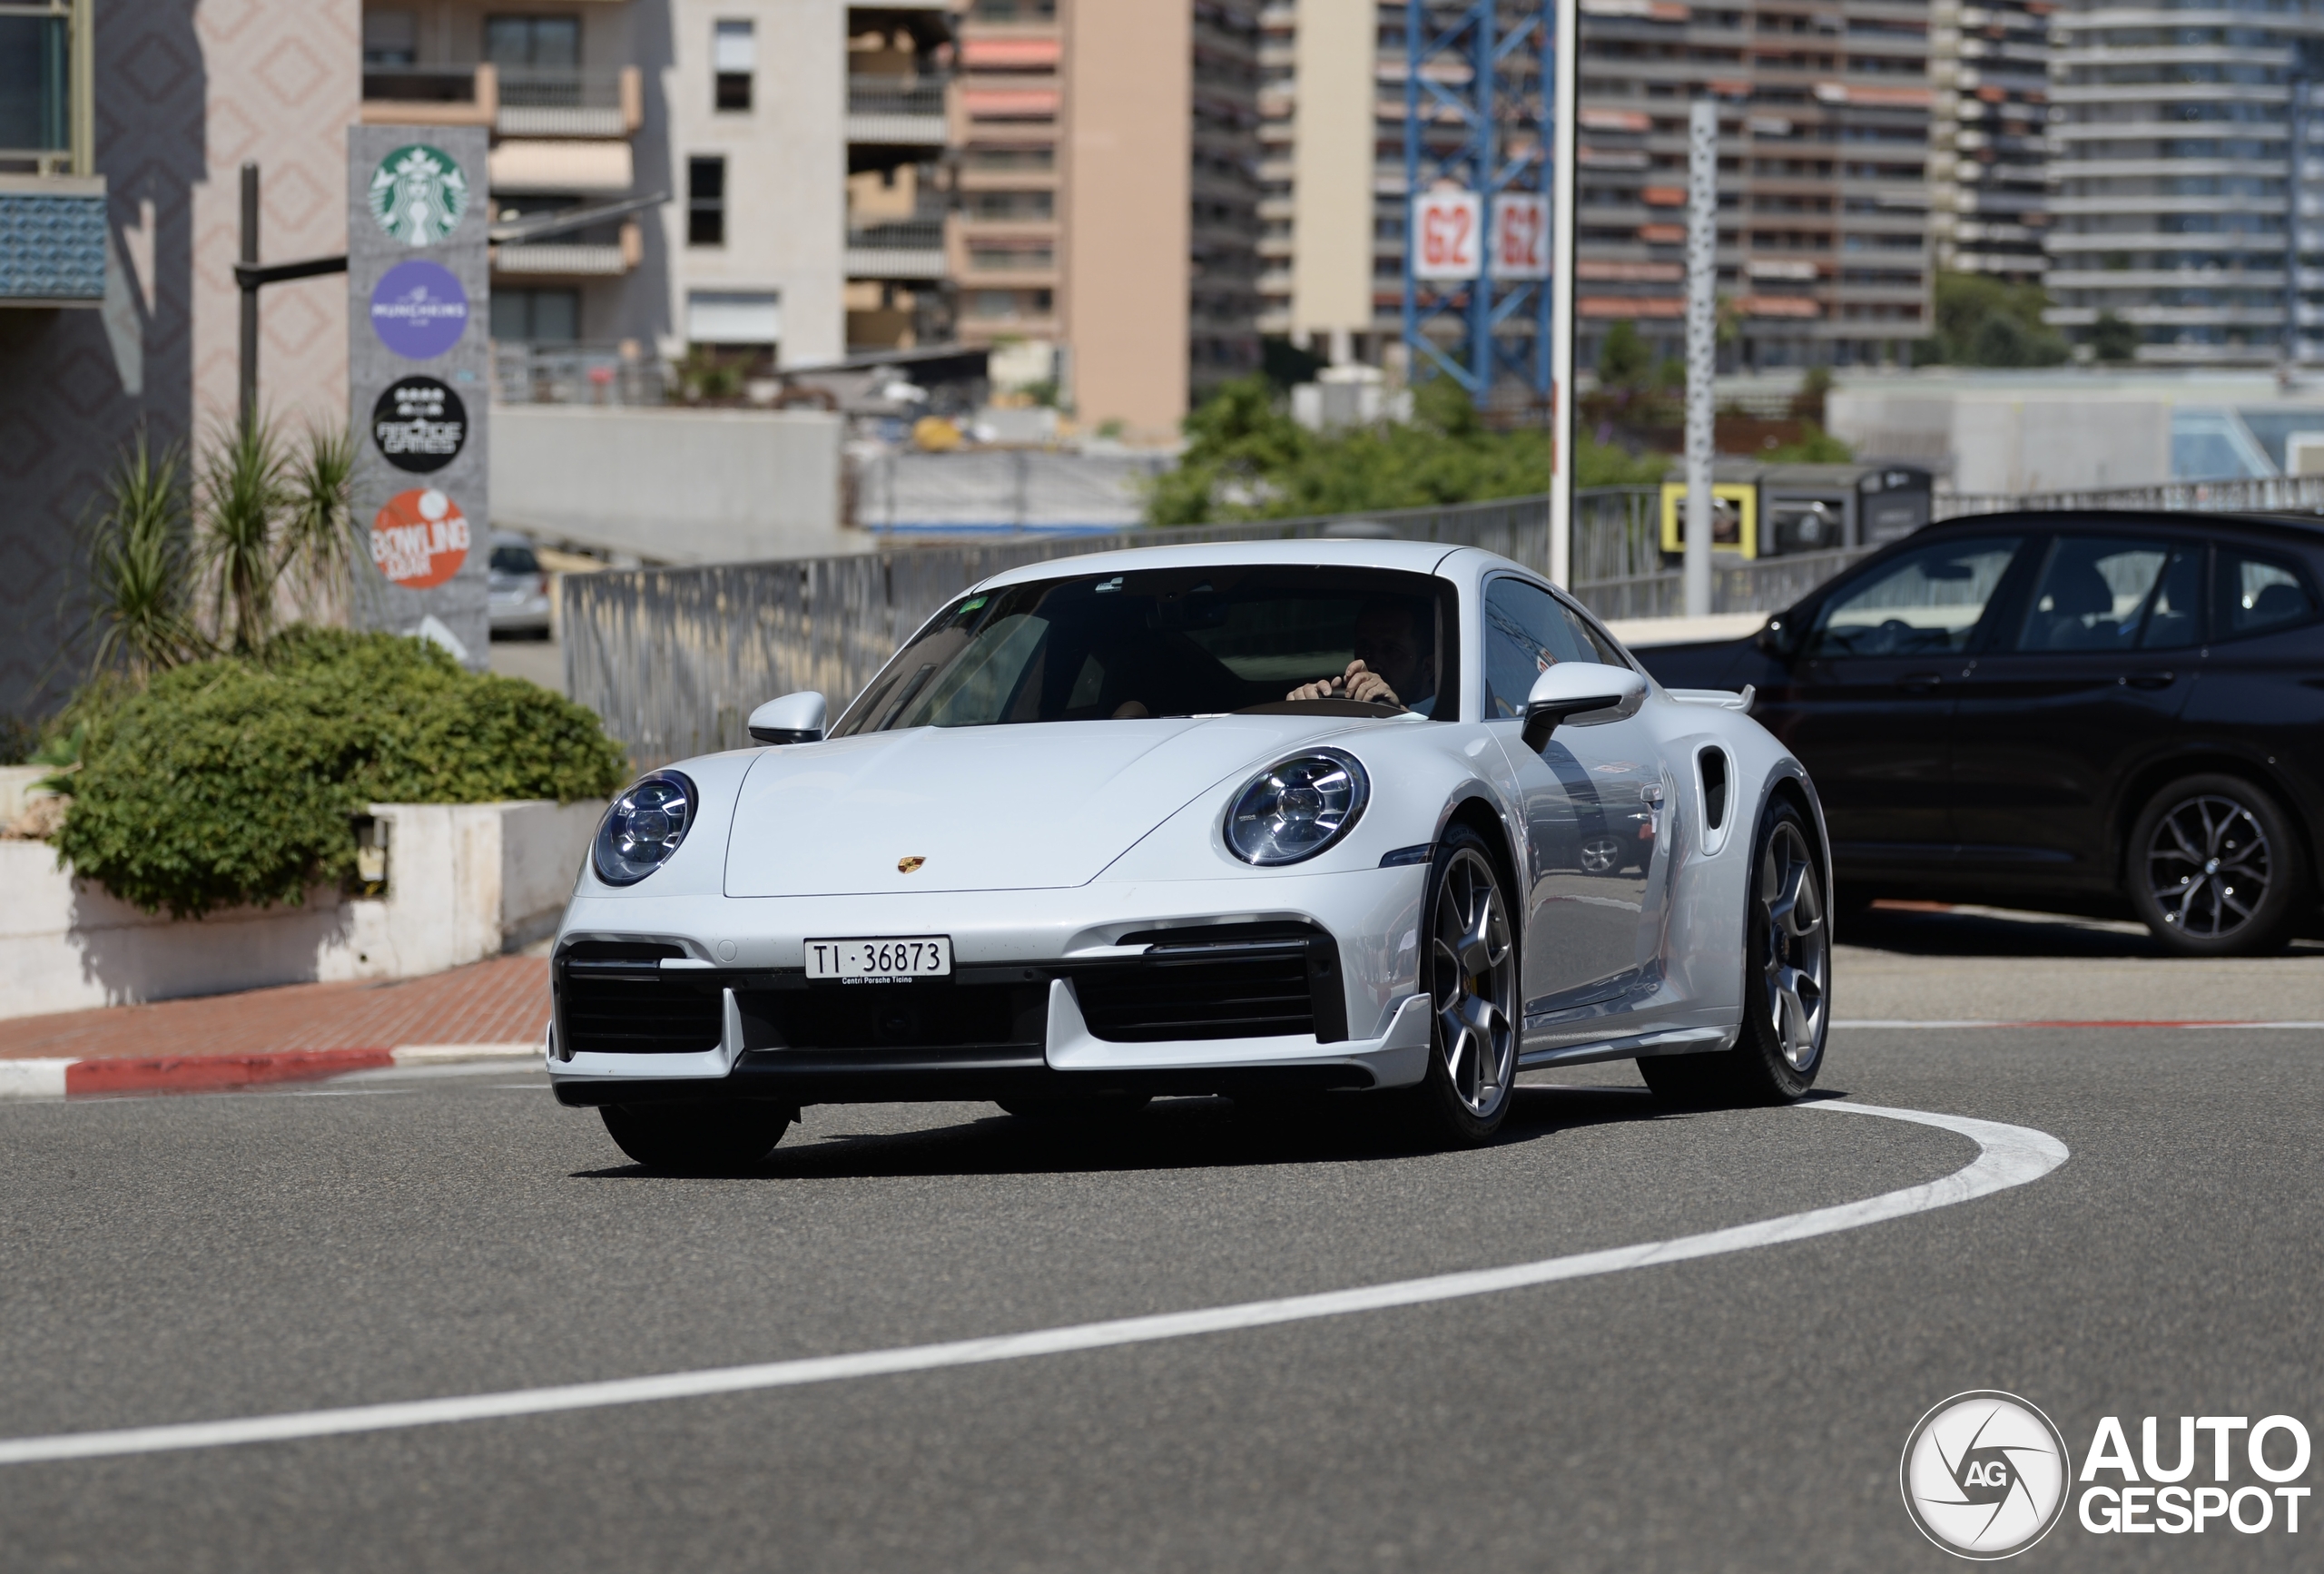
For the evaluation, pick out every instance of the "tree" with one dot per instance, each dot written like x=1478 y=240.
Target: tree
x=2113 y=339
x=1246 y=458
x=1986 y=322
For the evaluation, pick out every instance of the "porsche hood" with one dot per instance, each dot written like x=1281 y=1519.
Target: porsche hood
x=1005 y=808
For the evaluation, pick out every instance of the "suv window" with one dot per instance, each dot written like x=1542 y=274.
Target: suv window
x=1924 y=601
x=1527 y=632
x=2111 y=594
x=2259 y=594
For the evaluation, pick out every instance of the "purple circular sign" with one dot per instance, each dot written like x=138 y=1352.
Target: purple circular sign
x=418 y=310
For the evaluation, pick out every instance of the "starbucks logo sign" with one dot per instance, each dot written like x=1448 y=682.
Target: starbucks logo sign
x=418 y=195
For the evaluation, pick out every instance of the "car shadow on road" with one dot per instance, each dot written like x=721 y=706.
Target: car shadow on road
x=1170 y=1133
x=1936 y=930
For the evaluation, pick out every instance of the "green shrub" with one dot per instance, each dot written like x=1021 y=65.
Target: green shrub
x=236 y=779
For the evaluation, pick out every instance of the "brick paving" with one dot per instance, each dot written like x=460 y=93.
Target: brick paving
x=501 y=1001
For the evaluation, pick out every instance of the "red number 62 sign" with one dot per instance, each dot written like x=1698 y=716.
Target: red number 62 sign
x=1521 y=236
x=1447 y=235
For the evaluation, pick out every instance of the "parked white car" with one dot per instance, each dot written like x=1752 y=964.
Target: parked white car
x=516 y=588
x=1265 y=820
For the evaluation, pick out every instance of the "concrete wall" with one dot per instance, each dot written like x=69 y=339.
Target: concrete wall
x=671 y=485
x=465 y=881
x=1125 y=172
x=185 y=91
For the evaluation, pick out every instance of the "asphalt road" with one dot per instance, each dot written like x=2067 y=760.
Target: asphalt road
x=198 y=1258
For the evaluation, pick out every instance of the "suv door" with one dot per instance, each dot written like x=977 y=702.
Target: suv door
x=2083 y=683
x=1593 y=804
x=1867 y=702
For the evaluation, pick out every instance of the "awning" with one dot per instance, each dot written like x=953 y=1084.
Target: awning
x=523 y=164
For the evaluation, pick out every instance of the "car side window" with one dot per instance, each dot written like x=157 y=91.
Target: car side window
x=1921 y=602
x=1527 y=632
x=2259 y=594
x=2174 y=619
x=2096 y=593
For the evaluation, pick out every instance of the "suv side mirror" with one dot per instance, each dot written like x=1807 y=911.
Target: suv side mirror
x=1779 y=636
x=1572 y=689
x=793 y=719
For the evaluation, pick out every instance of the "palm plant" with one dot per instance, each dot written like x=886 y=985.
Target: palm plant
x=141 y=564
x=318 y=544
x=245 y=492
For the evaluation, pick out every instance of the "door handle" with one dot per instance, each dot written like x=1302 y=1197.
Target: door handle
x=1920 y=683
x=2150 y=680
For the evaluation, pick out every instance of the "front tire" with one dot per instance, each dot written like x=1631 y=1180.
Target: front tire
x=1469 y=965
x=722 y=1138
x=2214 y=868
x=1787 y=984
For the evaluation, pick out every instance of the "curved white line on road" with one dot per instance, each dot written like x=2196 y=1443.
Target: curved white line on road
x=2008 y=1156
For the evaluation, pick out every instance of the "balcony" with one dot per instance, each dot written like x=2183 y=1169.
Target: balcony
x=430 y=94
x=515 y=101
x=570 y=102
x=903 y=249
x=897 y=110
x=590 y=254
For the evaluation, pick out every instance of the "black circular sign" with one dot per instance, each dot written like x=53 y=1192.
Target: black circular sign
x=419 y=425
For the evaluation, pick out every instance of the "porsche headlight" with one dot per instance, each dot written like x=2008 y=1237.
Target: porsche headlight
x=1297 y=808
x=644 y=828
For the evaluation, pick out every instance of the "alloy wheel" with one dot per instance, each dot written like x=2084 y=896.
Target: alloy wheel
x=1797 y=967
x=1473 y=983
x=2208 y=865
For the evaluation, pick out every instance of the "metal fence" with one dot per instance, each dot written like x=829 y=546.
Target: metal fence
x=675 y=659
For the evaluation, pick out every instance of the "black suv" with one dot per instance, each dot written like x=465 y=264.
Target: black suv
x=2073 y=710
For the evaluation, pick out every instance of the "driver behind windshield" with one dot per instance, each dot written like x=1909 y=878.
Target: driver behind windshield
x=1392 y=658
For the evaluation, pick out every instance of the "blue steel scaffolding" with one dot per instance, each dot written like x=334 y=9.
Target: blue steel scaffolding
x=1477 y=117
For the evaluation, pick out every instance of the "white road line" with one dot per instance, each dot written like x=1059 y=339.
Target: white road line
x=2007 y=1156
x=2191 y=1027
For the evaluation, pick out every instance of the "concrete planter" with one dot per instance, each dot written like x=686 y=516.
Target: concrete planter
x=465 y=881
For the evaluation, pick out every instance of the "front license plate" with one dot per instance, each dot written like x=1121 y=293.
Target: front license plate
x=883 y=960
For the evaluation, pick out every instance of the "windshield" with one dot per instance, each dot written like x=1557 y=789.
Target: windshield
x=1172 y=642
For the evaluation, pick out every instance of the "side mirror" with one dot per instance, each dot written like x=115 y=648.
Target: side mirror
x=793 y=719
x=1572 y=689
x=1779 y=637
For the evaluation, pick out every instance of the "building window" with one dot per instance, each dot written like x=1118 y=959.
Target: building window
x=733 y=57
x=735 y=317
x=391 y=39
x=536 y=316
x=706 y=202
x=532 y=41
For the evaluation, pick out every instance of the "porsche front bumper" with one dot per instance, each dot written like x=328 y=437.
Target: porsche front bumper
x=1052 y=990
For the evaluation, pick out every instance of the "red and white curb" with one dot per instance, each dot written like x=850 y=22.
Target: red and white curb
x=99 y=1075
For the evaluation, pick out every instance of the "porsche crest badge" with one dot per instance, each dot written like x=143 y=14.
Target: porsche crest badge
x=906 y=865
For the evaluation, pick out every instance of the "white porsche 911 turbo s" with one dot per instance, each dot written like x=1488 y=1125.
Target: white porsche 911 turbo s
x=1264 y=820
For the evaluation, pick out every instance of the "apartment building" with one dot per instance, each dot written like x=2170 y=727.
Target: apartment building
x=1825 y=201
x=1824 y=197
x=1109 y=196
x=770 y=172
x=1332 y=186
x=2169 y=172
x=1989 y=123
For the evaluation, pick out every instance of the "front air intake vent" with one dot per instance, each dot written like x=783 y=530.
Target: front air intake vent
x=1218 y=981
x=613 y=998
